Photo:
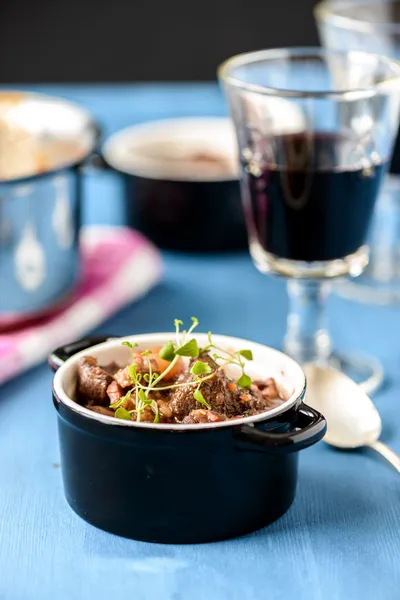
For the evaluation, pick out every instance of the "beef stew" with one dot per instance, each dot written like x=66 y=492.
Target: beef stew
x=176 y=383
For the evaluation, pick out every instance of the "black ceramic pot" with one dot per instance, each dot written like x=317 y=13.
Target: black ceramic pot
x=182 y=483
x=181 y=185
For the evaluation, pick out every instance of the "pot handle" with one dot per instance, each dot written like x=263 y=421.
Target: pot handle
x=309 y=428
x=60 y=355
x=95 y=161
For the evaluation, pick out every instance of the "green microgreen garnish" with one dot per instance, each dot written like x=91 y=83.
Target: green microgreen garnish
x=200 y=368
x=149 y=378
x=132 y=372
x=130 y=346
x=189 y=349
x=231 y=358
x=244 y=381
x=198 y=396
x=141 y=403
x=184 y=346
x=122 y=413
x=247 y=354
x=167 y=352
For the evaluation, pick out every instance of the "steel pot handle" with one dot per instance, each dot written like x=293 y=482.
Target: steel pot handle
x=309 y=427
x=95 y=162
x=60 y=355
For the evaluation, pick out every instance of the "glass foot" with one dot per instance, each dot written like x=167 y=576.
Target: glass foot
x=368 y=288
x=364 y=370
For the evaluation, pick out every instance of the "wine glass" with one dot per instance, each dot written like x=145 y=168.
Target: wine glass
x=373 y=26
x=315 y=132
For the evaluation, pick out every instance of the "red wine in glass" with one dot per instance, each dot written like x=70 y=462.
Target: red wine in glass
x=312 y=197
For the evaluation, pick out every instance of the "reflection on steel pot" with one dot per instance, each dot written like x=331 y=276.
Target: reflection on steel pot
x=47 y=141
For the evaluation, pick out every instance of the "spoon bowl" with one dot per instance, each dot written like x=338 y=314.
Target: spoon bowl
x=352 y=419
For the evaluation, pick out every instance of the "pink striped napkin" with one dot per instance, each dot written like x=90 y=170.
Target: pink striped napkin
x=119 y=265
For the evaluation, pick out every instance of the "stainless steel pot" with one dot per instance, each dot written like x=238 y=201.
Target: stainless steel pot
x=44 y=142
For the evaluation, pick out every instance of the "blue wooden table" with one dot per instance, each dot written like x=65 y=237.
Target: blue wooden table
x=340 y=540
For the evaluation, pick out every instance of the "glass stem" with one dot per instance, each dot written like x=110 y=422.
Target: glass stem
x=307 y=339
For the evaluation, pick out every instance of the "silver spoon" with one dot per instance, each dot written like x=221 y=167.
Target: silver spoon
x=352 y=418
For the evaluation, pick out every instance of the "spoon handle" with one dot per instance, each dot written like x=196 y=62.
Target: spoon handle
x=387 y=453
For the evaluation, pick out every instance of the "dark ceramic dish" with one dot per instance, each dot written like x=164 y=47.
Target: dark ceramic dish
x=182 y=483
x=181 y=182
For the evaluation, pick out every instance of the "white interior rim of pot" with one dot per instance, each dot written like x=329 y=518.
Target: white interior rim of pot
x=52 y=117
x=154 y=339
x=125 y=150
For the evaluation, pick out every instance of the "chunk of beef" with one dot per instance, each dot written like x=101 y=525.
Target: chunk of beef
x=115 y=392
x=93 y=382
x=268 y=388
x=203 y=416
x=165 y=413
x=265 y=395
x=123 y=378
x=102 y=410
x=111 y=368
x=182 y=401
x=217 y=392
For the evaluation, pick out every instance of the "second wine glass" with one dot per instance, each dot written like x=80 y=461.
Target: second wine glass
x=315 y=131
